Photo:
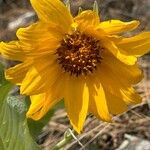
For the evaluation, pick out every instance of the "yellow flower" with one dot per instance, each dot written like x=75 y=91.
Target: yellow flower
x=80 y=59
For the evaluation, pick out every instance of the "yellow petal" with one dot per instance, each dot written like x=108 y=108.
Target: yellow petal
x=76 y=101
x=115 y=104
x=12 y=50
x=87 y=18
x=39 y=39
x=39 y=32
x=118 y=53
x=117 y=85
x=98 y=102
x=117 y=26
x=137 y=45
x=131 y=74
x=114 y=38
x=17 y=74
x=43 y=68
x=40 y=105
x=53 y=11
x=131 y=96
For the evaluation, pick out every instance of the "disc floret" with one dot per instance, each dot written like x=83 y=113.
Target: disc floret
x=79 y=54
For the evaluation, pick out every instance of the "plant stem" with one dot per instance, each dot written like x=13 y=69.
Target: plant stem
x=67 y=138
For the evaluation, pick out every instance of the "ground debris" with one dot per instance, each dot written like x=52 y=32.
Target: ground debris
x=134 y=143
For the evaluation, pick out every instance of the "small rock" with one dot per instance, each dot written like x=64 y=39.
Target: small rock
x=134 y=143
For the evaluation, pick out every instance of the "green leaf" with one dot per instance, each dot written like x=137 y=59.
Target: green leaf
x=1 y=144
x=14 y=132
x=2 y=76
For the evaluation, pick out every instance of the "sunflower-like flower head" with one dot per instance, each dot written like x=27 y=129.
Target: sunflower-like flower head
x=81 y=59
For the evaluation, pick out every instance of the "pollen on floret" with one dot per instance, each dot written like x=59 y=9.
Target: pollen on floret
x=79 y=54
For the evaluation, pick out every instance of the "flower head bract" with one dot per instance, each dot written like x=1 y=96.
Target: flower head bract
x=83 y=60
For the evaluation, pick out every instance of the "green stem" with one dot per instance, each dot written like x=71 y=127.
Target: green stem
x=67 y=138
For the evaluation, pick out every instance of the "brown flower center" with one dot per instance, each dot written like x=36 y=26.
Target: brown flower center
x=79 y=54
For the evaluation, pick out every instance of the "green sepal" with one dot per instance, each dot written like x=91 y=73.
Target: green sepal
x=67 y=3
x=80 y=10
x=95 y=7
